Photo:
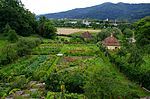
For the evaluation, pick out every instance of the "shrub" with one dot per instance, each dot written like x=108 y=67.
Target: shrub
x=8 y=54
x=23 y=47
x=102 y=83
x=12 y=36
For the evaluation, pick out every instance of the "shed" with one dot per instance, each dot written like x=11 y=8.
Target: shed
x=111 y=43
x=86 y=35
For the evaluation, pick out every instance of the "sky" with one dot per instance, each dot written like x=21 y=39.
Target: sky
x=53 y=6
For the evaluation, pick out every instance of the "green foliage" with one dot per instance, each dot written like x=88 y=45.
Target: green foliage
x=82 y=50
x=12 y=36
x=8 y=54
x=107 y=32
x=142 y=31
x=6 y=30
x=46 y=28
x=50 y=30
x=53 y=82
x=128 y=33
x=23 y=47
x=74 y=81
x=102 y=83
x=20 y=19
x=46 y=49
x=136 y=57
x=57 y=95
x=19 y=81
x=83 y=70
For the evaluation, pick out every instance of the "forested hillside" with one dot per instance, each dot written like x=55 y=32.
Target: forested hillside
x=106 y=10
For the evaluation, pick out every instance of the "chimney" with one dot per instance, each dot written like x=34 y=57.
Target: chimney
x=111 y=34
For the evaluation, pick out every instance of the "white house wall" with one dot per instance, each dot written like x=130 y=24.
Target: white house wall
x=113 y=47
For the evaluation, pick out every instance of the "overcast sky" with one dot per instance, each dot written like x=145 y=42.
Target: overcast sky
x=51 y=6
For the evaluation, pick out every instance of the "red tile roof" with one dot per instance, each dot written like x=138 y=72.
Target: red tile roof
x=111 y=41
x=86 y=35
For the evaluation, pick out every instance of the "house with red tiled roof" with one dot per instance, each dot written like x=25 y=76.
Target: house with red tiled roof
x=111 y=43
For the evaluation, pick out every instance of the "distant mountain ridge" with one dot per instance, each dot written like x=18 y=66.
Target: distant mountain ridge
x=106 y=10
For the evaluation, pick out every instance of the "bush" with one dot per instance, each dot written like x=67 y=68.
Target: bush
x=8 y=54
x=12 y=36
x=101 y=83
x=23 y=47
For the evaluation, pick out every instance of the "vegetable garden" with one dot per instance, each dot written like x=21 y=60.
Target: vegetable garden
x=42 y=74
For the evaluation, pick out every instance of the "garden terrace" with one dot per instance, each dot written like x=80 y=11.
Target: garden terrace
x=47 y=49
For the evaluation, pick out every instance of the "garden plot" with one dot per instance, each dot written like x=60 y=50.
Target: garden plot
x=81 y=50
x=47 y=49
x=28 y=66
x=72 y=61
x=76 y=56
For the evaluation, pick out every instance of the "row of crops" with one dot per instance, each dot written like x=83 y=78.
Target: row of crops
x=20 y=73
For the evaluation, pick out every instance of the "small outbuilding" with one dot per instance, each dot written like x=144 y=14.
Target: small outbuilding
x=86 y=36
x=111 y=43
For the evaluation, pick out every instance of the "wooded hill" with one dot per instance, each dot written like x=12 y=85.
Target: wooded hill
x=106 y=10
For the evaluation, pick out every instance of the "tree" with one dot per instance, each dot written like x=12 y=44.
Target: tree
x=46 y=28
x=107 y=32
x=136 y=57
x=20 y=19
x=142 y=31
x=128 y=33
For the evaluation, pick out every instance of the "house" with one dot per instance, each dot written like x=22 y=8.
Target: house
x=111 y=43
x=86 y=36
x=131 y=39
x=86 y=22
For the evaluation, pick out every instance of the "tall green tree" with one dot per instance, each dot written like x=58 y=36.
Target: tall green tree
x=128 y=33
x=142 y=31
x=46 y=28
x=107 y=32
x=12 y=12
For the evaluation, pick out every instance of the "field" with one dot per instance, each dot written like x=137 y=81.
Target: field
x=68 y=31
x=34 y=75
